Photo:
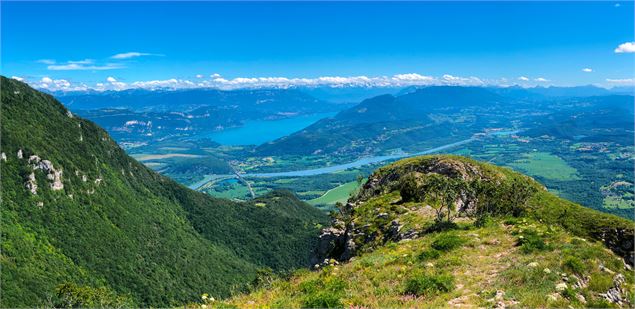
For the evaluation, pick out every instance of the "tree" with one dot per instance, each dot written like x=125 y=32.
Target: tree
x=438 y=191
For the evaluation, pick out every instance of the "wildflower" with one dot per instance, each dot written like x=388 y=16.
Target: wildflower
x=547 y=270
x=203 y=306
x=204 y=296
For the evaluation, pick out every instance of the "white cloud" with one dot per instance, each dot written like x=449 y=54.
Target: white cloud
x=523 y=78
x=18 y=78
x=462 y=81
x=46 y=61
x=587 y=70
x=58 y=85
x=628 y=47
x=129 y=55
x=215 y=75
x=116 y=85
x=82 y=67
x=621 y=81
x=412 y=77
x=85 y=61
x=199 y=76
x=541 y=79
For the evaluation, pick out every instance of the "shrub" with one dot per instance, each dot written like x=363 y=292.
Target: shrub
x=568 y=293
x=529 y=241
x=483 y=221
x=440 y=226
x=423 y=284
x=511 y=221
x=429 y=254
x=600 y=283
x=574 y=265
x=447 y=242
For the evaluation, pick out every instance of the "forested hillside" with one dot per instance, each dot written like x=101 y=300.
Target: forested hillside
x=86 y=225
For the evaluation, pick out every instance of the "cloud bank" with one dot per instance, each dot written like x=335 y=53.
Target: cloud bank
x=216 y=81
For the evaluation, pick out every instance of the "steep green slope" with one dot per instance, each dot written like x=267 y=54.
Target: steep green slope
x=76 y=210
x=508 y=243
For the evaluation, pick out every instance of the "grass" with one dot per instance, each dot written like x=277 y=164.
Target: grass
x=340 y=193
x=546 y=165
x=413 y=274
x=447 y=242
x=424 y=284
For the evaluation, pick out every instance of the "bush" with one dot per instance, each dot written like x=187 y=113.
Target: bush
x=600 y=283
x=574 y=265
x=429 y=254
x=529 y=241
x=483 y=221
x=423 y=284
x=440 y=226
x=568 y=293
x=447 y=242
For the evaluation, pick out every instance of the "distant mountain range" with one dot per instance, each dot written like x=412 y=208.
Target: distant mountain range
x=418 y=114
x=270 y=101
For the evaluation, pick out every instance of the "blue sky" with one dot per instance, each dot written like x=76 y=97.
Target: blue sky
x=77 y=43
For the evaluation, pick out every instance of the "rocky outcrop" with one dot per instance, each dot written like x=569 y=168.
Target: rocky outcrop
x=620 y=241
x=331 y=244
x=388 y=179
x=53 y=175
x=31 y=183
x=617 y=293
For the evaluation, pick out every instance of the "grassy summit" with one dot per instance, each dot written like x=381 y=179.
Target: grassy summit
x=508 y=242
x=83 y=224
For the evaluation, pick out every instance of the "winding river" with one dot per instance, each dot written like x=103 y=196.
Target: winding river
x=345 y=166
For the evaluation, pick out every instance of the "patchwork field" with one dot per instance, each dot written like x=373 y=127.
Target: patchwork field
x=546 y=165
x=337 y=194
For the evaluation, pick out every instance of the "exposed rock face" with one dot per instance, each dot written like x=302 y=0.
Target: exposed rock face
x=52 y=174
x=621 y=242
x=3 y=157
x=20 y=156
x=31 y=183
x=617 y=294
x=331 y=244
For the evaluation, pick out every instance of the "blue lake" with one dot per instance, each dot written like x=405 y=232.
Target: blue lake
x=257 y=132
